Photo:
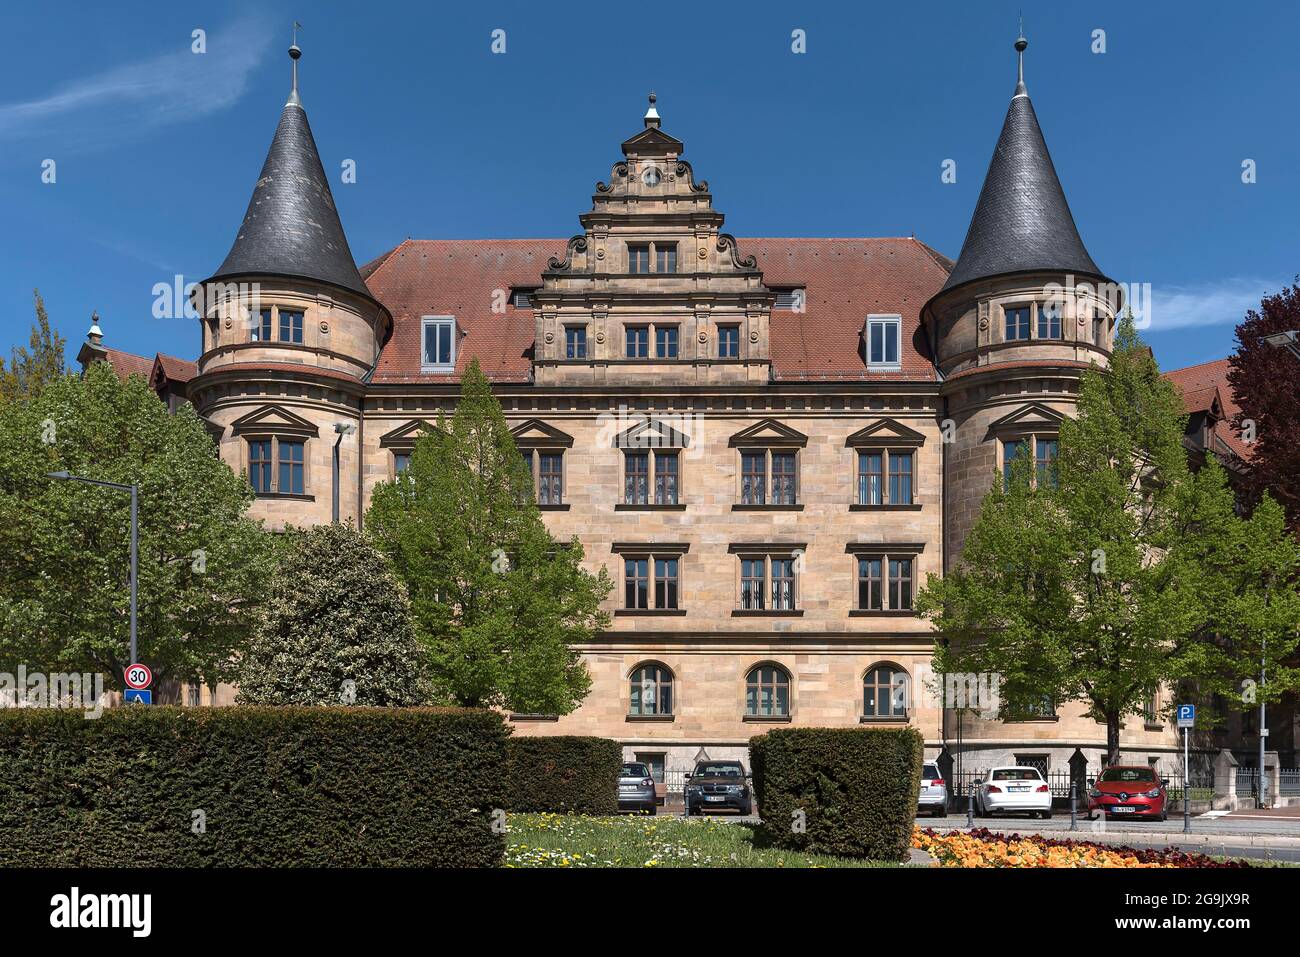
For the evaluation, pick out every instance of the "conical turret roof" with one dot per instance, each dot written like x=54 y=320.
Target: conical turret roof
x=292 y=227
x=1022 y=222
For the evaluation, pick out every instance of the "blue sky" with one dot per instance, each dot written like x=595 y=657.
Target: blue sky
x=157 y=148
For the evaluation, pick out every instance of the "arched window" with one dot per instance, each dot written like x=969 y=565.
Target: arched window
x=885 y=692
x=767 y=692
x=652 y=690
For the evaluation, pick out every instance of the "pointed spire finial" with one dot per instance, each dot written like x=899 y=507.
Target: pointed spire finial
x=94 y=335
x=294 y=54
x=1021 y=43
x=652 y=115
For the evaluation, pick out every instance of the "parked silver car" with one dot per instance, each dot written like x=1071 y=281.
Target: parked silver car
x=934 y=791
x=636 y=789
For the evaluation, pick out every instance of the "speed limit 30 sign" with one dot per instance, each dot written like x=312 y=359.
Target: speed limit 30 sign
x=138 y=676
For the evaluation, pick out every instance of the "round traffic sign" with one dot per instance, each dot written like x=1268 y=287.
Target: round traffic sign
x=138 y=676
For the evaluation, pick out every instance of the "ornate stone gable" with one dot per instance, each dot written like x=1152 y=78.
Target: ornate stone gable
x=652 y=291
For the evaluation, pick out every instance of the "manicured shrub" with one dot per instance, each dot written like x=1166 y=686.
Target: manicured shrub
x=846 y=791
x=567 y=774
x=251 y=786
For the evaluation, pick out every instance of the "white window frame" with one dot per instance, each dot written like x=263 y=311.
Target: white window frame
x=425 y=323
x=887 y=320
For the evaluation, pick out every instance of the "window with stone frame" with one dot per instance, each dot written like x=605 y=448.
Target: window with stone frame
x=638 y=258
x=769 y=476
x=651 y=686
x=261 y=331
x=277 y=465
x=1042 y=450
x=728 y=342
x=637 y=342
x=291 y=325
x=546 y=466
x=651 y=476
x=652 y=579
x=885 y=577
x=885 y=476
x=767 y=692
x=885 y=692
x=575 y=342
x=1049 y=320
x=1016 y=324
x=768 y=579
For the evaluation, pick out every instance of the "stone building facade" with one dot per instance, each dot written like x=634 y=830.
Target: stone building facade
x=769 y=443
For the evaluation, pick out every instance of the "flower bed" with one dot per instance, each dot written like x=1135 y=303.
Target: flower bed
x=983 y=848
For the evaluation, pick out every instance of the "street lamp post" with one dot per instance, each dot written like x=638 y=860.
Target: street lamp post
x=1290 y=341
x=135 y=537
x=341 y=429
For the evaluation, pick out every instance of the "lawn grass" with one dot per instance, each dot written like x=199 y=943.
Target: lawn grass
x=558 y=840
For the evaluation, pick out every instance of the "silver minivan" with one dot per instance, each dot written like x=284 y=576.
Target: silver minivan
x=934 y=791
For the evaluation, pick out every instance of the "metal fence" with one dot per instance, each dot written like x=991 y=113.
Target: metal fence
x=1200 y=785
x=1288 y=781
x=961 y=783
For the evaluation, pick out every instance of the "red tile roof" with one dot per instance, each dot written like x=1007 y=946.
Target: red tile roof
x=177 y=370
x=128 y=363
x=845 y=281
x=1199 y=384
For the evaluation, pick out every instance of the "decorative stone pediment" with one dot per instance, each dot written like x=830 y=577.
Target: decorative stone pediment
x=1034 y=417
x=273 y=420
x=652 y=140
x=769 y=433
x=887 y=433
x=535 y=432
x=405 y=436
x=651 y=434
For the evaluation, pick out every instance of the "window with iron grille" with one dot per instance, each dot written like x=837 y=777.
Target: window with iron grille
x=783 y=478
x=753 y=581
x=665 y=477
x=636 y=478
x=753 y=478
x=768 y=582
x=782 y=584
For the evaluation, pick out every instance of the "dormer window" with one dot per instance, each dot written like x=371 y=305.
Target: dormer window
x=791 y=299
x=439 y=338
x=883 y=336
x=519 y=298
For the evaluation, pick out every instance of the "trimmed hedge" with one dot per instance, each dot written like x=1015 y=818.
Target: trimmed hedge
x=566 y=774
x=277 y=787
x=857 y=789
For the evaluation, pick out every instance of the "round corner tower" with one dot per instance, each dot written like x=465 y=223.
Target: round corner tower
x=290 y=335
x=1023 y=313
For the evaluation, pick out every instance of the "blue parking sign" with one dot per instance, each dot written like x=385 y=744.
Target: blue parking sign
x=1186 y=715
x=137 y=696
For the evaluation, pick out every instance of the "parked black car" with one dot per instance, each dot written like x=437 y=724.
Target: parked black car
x=719 y=784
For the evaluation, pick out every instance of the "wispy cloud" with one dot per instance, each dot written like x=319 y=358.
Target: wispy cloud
x=1219 y=302
x=144 y=95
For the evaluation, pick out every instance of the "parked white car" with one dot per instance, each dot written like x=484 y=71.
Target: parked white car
x=1013 y=790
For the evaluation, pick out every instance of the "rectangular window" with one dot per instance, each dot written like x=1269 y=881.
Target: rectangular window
x=1049 y=321
x=791 y=299
x=900 y=583
x=259 y=465
x=870 y=593
x=290 y=326
x=575 y=342
x=666 y=342
x=550 y=478
x=783 y=478
x=900 y=478
x=401 y=462
x=783 y=584
x=439 y=345
x=871 y=478
x=291 y=463
x=665 y=259
x=1045 y=460
x=519 y=299
x=636 y=478
x=262 y=328
x=638 y=258
x=728 y=342
x=753 y=478
x=752 y=580
x=638 y=342
x=1017 y=326
x=1098 y=329
x=636 y=581
x=666 y=478
x=666 y=582
x=883 y=334
x=1010 y=450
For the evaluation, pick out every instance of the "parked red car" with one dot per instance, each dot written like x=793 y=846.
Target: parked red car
x=1129 y=791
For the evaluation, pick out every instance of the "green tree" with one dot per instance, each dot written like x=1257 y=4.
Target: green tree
x=1096 y=583
x=31 y=369
x=497 y=601
x=65 y=546
x=336 y=628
